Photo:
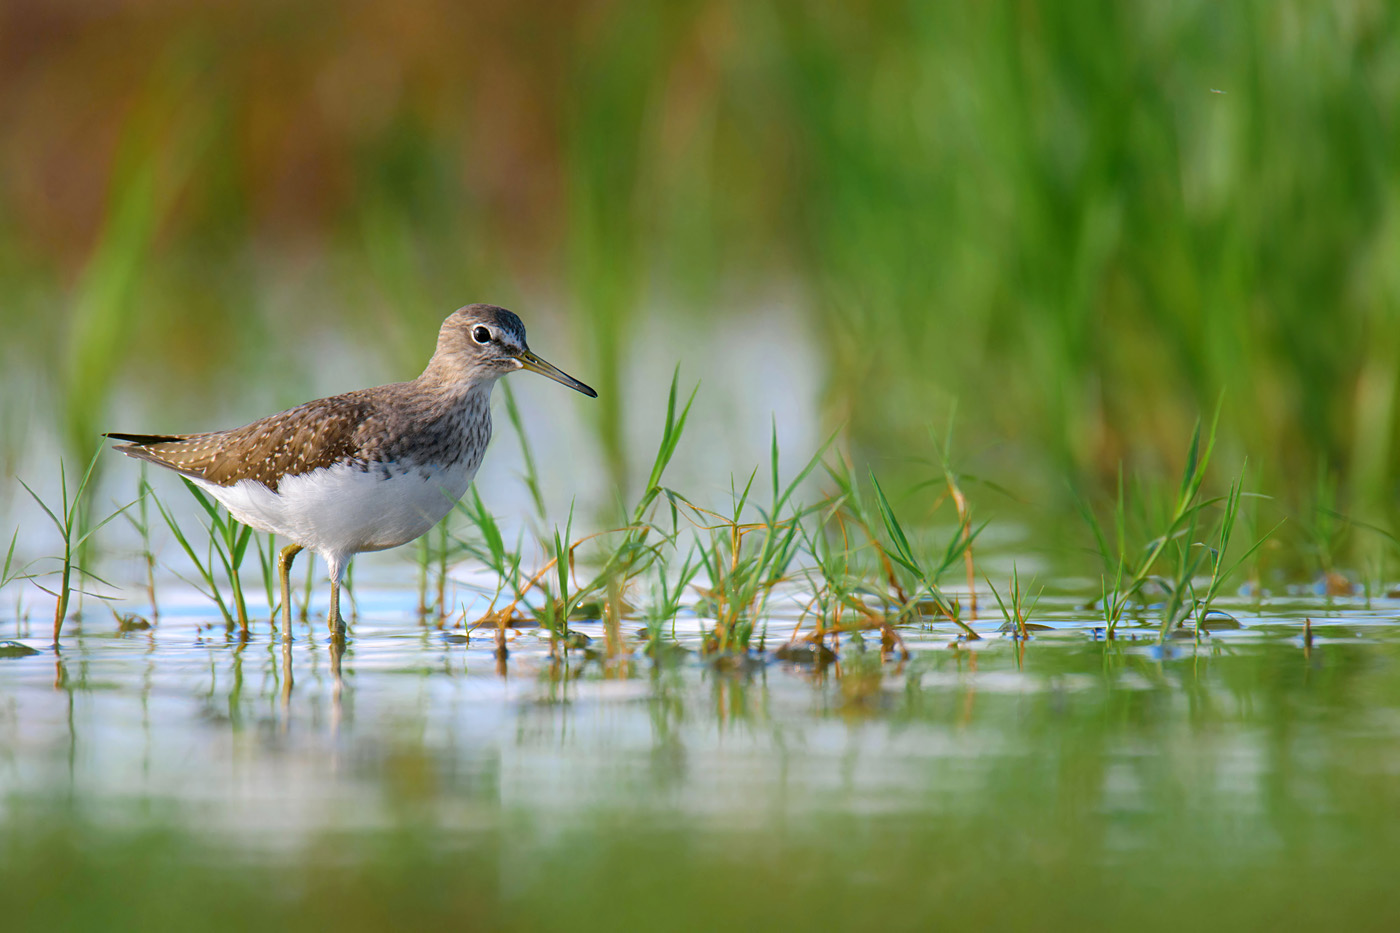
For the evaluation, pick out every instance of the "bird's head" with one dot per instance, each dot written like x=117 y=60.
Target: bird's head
x=484 y=342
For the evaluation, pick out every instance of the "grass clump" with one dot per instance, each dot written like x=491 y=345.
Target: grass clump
x=924 y=574
x=744 y=561
x=1017 y=614
x=554 y=593
x=1179 y=551
x=843 y=596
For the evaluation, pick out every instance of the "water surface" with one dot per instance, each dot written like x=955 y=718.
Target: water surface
x=1120 y=768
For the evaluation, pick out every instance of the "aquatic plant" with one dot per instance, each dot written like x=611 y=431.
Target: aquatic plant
x=668 y=589
x=925 y=574
x=434 y=551
x=1217 y=549
x=489 y=548
x=622 y=554
x=140 y=522
x=843 y=597
x=1175 y=554
x=8 y=575
x=266 y=545
x=68 y=520
x=1018 y=613
x=743 y=560
x=227 y=543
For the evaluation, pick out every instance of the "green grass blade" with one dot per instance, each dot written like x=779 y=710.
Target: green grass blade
x=531 y=475
x=57 y=523
x=9 y=559
x=95 y=528
x=903 y=552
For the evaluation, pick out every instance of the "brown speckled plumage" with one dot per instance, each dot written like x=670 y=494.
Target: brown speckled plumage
x=398 y=425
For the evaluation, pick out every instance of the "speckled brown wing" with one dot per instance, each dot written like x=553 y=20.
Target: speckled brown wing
x=298 y=440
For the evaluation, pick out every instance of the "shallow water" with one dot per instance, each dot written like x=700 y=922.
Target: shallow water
x=1250 y=748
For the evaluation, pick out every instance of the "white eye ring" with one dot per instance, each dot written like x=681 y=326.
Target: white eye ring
x=481 y=334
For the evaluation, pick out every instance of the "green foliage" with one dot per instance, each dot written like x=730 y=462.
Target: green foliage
x=156 y=156
x=531 y=476
x=668 y=591
x=227 y=544
x=1044 y=210
x=435 y=550
x=744 y=561
x=555 y=593
x=923 y=573
x=8 y=575
x=1178 y=550
x=140 y=522
x=1018 y=613
x=68 y=520
x=266 y=545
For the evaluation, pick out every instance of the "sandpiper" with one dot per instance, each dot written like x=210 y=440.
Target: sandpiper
x=367 y=470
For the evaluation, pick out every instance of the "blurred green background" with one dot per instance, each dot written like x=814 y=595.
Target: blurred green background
x=1083 y=223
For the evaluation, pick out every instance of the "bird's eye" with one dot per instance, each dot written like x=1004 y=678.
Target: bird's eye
x=481 y=334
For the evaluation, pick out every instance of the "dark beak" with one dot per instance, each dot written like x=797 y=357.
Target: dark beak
x=528 y=360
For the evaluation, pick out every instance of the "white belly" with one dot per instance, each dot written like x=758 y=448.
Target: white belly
x=342 y=510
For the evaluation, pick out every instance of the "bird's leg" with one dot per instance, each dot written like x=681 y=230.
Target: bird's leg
x=337 y=650
x=336 y=564
x=284 y=568
x=287 y=679
x=333 y=620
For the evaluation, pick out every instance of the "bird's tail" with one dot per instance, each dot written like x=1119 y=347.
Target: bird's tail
x=183 y=453
x=144 y=440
